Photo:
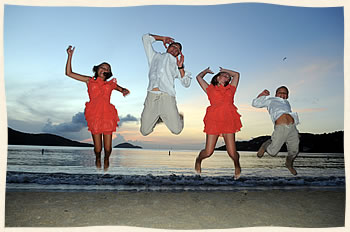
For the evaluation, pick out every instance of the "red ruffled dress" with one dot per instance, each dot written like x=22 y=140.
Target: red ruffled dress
x=221 y=116
x=100 y=114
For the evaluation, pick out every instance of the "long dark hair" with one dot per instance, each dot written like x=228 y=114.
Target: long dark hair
x=214 y=80
x=106 y=74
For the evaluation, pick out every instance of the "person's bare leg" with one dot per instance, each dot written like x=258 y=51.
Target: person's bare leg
x=97 y=138
x=232 y=152
x=207 y=152
x=107 y=142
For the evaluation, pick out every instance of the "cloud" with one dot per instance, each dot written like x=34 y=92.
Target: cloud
x=78 y=122
x=89 y=140
x=128 y=118
x=117 y=139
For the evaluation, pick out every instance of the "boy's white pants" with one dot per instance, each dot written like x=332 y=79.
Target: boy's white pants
x=284 y=134
x=164 y=106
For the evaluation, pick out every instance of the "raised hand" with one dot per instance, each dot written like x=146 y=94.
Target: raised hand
x=203 y=73
x=200 y=79
x=207 y=70
x=180 y=61
x=70 y=50
x=69 y=71
x=264 y=93
x=224 y=70
x=125 y=92
x=167 y=40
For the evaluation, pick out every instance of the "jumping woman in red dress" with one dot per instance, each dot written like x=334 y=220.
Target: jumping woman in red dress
x=100 y=114
x=221 y=117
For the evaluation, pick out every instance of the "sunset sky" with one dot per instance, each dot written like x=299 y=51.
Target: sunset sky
x=251 y=38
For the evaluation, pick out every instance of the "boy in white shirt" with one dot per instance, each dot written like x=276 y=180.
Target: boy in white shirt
x=160 y=103
x=285 y=122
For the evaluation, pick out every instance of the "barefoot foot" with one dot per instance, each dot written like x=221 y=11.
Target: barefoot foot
x=263 y=147
x=106 y=163
x=237 y=169
x=237 y=173
x=197 y=166
x=291 y=168
x=289 y=165
x=98 y=161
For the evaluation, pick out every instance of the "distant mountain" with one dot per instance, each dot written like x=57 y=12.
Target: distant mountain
x=127 y=145
x=20 y=138
x=312 y=143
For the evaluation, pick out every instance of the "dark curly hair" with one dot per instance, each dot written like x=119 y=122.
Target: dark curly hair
x=107 y=75
x=176 y=43
x=214 y=80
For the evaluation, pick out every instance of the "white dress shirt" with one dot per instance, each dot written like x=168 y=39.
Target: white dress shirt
x=276 y=107
x=163 y=69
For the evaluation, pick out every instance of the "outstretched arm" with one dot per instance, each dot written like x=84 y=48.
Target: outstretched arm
x=69 y=71
x=233 y=74
x=124 y=91
x=200 y=79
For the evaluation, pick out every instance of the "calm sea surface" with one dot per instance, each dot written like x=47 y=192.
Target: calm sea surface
x=73 y=169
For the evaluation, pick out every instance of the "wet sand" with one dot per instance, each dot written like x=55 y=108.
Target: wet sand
x=177 y=210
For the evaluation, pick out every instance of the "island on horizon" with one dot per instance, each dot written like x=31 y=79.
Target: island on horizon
x=127 y=145
x=44 y=139
x=311 y=143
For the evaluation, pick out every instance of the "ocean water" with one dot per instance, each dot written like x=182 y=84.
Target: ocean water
x=73 y=169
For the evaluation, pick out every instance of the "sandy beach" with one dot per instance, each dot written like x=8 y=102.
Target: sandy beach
x=177 y=210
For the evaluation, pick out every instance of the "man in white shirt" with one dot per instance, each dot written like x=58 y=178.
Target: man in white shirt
x=160 y=103
x=285 y=122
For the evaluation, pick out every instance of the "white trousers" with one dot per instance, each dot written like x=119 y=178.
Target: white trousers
x=160 y=105
x=284 y=134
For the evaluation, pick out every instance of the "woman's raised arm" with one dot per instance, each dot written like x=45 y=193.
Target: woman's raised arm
x=235 y=76
x=200 y=79
x=69 y=71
